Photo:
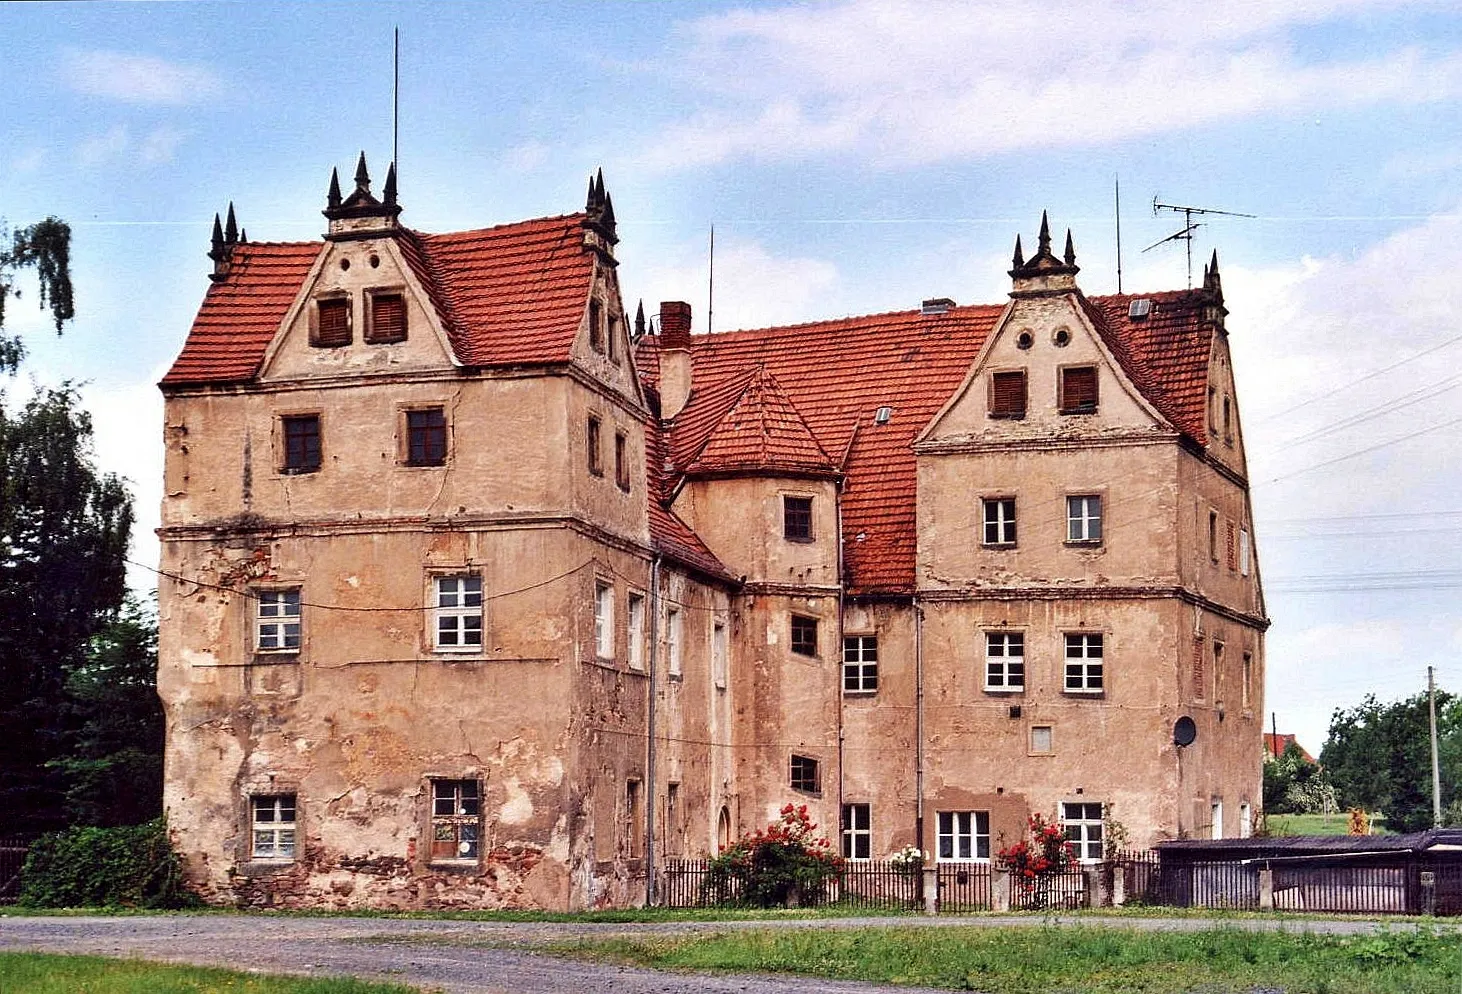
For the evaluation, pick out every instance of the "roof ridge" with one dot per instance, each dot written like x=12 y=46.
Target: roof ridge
x=877 y=315
x=578 y=216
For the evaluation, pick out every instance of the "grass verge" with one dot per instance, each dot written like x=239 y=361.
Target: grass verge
x=44 y=973
x=1067 y=959
x=612 y=915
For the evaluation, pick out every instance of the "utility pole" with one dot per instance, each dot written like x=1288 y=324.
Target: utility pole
x=1431 y=694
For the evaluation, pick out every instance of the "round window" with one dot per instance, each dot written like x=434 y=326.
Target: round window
x=1024 y=340
x=344 y=263
x=1062 y=338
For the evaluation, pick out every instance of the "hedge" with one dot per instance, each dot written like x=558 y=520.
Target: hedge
x=130 y=866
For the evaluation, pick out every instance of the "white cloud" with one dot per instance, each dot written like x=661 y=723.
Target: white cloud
x=102 y=148
x=156 y=147
x=754 y=288
x=159 y=145
x=138 y=79
x=28 y=160
x=527 y=157
x=906 y=83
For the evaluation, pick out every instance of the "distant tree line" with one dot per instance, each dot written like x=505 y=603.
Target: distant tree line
x=80 y=722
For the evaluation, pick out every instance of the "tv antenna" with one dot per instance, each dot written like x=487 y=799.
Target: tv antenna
x=1189 y=226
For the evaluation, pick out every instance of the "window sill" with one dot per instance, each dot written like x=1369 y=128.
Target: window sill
x=998 y=546
x=1005 y=691
x=267 y=657
x=675 y=677
x=459 y=653
x=454 y=865
x=1004 y=416
x=809 y=540
x=860 y=693
x=421 y=465
x=298 y=471
x=261 y=865
x=1083 y=543
x=1075 y=692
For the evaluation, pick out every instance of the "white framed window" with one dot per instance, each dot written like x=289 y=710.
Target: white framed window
x=1084 y=669
x=457 y=613
x=857 y=831
x=273 y=826
x=719 y=650
x=999 y=521
x=603 y=620
x=860 y=664
x=674 y=638
x=1244 y=552
x=277 y=627
x=1215 y=817
x=1005 y=661
x=456 y=819
x=636 y=631
x=1084 y=519
x=1082 y=822
x=963 y=835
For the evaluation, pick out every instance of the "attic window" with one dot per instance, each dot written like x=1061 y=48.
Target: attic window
x=332 y=323
x=882 y=415
x=1007 y=394
x=1139 y=308
x=1079 y=390
x=388 y=319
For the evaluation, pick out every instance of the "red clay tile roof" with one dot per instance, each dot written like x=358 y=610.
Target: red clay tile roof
x=838 y=373
x=752 y=426
x=670 y=536
x=510 y=295
x=1275 y=745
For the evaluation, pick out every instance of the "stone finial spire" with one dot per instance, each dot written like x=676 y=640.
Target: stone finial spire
x=640 y=319
x=388 y=193
x=1213 y=309
x=217 y=251
x=361 y=215
x=599 y=224
x=1043 y=272
x=221 y=249
x=231 y=227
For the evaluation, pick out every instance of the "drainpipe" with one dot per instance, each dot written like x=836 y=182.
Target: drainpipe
x=651 y=656
x=837 y=648
x=919 y=722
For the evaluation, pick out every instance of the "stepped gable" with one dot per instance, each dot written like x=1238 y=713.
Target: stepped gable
x=510 y=295
x=242 y=312
x=759 y=430
x=1174 y=343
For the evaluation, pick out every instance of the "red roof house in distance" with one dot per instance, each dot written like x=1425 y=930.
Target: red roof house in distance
x=479 y=594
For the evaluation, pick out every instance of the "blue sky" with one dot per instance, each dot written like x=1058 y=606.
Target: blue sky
x=854 y=157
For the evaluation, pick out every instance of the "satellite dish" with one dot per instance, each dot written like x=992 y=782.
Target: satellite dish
x=1184 y=731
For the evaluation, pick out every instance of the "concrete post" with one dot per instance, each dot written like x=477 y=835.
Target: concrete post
x=999 y=890
x=1096 y=885
x=931 y=889
x=1119 y=885
x=1428 y=892
x=1266 y=889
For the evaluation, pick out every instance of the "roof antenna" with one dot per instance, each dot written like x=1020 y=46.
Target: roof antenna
x=711 y=283
x=1189 y=226
x=1117 y=198
x=396 y=99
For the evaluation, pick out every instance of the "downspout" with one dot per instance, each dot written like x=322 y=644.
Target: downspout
x=652 y=654
x=837 y=646
x=919 y=722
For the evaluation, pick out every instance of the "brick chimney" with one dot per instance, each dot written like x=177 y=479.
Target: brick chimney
x=674 y=357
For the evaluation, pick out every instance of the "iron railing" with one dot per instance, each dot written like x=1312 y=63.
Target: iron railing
x=13 y=850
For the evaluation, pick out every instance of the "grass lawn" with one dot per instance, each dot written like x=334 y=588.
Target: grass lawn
x=1337 y=824
x=42 y=973
x=1046 y=960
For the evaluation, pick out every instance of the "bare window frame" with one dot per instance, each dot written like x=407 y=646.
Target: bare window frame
x=803 y=632
x=805 y=774
x=797 y=518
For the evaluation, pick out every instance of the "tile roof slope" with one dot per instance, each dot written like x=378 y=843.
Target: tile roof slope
x=762 y=430
x=240 y=315
x=838 y=373
x=510 y=295
x=669 y=535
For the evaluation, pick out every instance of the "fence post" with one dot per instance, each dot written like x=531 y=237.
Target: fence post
x=1096 y=885
x=1119 y=884
x=999 y=889
x=1266 y=889
x=1428 y=892
x=931 y=888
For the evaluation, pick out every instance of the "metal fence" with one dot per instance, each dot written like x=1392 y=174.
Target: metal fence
x=1064 y=890
x=963 y=887
x=875 y=885
x=12 y=858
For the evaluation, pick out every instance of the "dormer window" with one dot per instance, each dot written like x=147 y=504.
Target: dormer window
x=332 y=323
x=1079 y=390
x=388 y=319
x=1007 y=395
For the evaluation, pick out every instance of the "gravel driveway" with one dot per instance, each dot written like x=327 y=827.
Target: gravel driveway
x=464 y=957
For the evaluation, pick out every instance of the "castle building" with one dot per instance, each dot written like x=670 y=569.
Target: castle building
x=477 y=593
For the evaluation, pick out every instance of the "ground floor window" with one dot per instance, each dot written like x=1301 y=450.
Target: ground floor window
x=857 y=831
x=456 y=819
x=964 y=835
x=273 y=826
x=1083 y=824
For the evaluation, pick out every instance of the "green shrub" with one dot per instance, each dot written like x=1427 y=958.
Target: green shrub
x=131 y=866
x=781 y=865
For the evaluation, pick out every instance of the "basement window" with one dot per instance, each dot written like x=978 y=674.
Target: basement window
x=1079 y=390
x=456 y=819
x=272 y=826
x=805 y=774
x=332 y=323
x=388 y=319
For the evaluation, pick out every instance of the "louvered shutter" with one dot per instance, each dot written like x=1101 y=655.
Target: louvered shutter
x=388 y=319
x=1079 y=389
x=334 y=323
x=1007 y=395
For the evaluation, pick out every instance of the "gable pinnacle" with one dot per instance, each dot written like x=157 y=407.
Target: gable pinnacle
x=589 y=204
x=332 y=199
x=231 y=227
x=1019 y=259
x=217 y=251
x=599 y=185
x=388 y=193
x=1044 y=245
x=640 y=319
x=1070 y=255
x=362 y=175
